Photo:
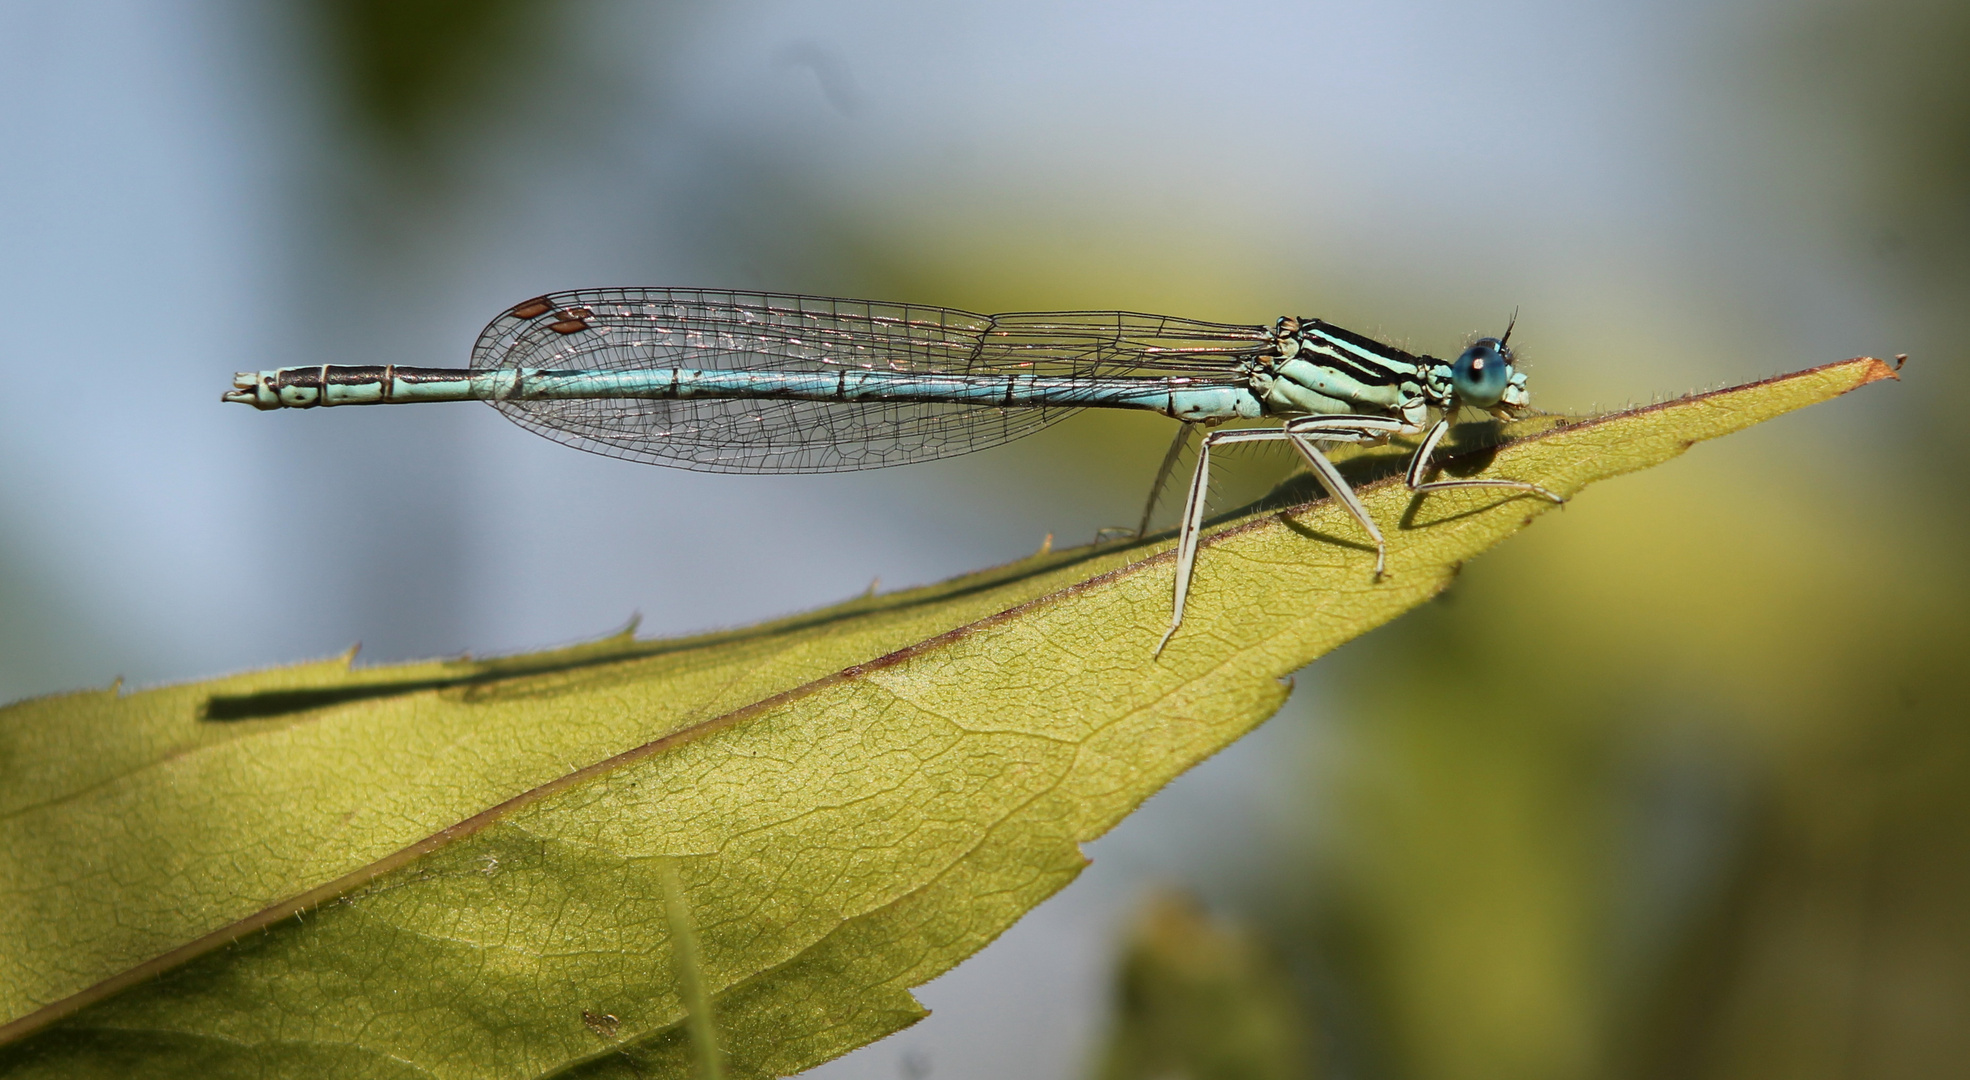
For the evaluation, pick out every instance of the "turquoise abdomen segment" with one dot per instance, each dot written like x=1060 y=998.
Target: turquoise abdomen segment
x=314 y=387
x=336 y=384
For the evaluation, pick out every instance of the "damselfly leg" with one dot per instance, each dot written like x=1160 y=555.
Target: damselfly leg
x=1304 y=434
x=1163 y=472
x=1419 y=466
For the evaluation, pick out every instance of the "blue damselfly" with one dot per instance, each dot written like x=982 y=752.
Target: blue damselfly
x=770 y=383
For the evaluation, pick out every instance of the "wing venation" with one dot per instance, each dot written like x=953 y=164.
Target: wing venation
x=642 y=329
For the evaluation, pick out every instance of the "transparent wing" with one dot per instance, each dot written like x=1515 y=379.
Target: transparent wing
x=639 y=329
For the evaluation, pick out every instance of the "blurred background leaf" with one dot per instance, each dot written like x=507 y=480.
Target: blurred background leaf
x=1200 y=999
x=410 y=71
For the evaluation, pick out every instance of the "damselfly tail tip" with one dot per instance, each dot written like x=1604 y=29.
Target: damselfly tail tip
x=250 y=389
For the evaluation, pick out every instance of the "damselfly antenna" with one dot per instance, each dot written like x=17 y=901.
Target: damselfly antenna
x=1509 y=323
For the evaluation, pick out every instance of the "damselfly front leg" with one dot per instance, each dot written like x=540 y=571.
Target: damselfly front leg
x=1419 y=465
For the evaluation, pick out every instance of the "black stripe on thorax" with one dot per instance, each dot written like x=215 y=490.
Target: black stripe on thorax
x=1384 y=365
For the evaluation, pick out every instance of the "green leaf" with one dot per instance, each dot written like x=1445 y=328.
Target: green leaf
x=457 y=868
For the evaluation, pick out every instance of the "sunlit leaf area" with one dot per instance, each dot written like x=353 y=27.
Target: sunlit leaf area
x=1672 y=783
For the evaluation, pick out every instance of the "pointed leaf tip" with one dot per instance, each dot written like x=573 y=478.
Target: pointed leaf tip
x=1878 y=369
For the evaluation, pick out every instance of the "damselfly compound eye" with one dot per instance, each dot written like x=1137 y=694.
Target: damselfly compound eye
x=1482 y=373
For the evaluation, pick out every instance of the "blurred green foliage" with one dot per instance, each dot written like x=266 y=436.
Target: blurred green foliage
x=1201 y=1000
x=1892 y=77
x=409 y=69
x=1681 y=788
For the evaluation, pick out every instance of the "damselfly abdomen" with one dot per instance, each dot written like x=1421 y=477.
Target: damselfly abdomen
x=770 y=383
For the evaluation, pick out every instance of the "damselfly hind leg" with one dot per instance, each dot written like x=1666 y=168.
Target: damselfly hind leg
x=1303 y=433
x=1163 y=472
